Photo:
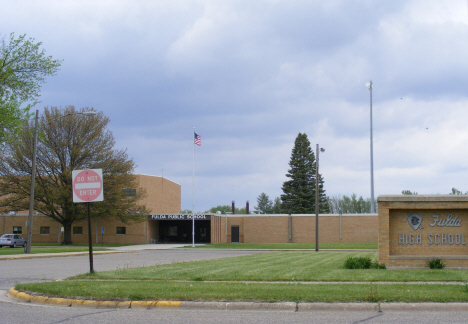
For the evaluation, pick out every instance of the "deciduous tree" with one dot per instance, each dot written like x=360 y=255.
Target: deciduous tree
x=455 y=191
x=226 y=209
x=349 y=205
x=69 y=142
x=408 y=192
x=24 y=67
x=12 y=118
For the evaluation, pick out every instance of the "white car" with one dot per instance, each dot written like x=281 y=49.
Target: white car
x=12 y=240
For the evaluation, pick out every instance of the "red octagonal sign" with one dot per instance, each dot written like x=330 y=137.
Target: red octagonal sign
x=87 y=185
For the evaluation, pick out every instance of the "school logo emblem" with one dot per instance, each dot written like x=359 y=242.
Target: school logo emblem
x=415 y=221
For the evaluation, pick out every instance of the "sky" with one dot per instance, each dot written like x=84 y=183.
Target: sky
x=250 y=75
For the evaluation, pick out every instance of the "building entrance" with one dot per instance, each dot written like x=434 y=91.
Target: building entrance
x=178 y=228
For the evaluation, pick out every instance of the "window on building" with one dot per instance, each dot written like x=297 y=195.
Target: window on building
x=121 y=230
x=77 y=230
x=129 y=192
x=45 y=230
x=17 y=230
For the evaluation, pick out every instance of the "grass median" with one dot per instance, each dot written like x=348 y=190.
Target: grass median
x=241 y=291
x=276 y=276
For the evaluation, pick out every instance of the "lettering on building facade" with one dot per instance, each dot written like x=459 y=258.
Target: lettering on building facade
x=179 y=217
x=448 y=221
x=416 y=222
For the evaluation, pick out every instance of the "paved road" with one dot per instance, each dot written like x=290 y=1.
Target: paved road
x=28 y=313
x=54 y=268
x=46 y=269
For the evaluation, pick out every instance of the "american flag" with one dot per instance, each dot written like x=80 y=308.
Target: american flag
x=197 y=139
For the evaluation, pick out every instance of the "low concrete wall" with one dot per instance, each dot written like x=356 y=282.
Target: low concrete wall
x=416 y=229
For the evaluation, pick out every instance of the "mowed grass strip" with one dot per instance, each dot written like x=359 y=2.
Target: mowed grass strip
x=258 y=292
x=289 y=246
x=278 y=266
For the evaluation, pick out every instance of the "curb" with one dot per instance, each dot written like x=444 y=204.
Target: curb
x=285 y=306
x=24 y=297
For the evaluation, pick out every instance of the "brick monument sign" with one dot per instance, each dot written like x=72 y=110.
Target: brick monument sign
x=414 y=229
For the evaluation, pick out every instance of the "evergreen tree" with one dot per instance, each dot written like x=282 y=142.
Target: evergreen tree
x=299 y=192
x=276 y=209
x=323 y=201
x=264 y=204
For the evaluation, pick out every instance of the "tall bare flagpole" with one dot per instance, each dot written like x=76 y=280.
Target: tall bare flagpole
x=369 y=86
x=193 y=189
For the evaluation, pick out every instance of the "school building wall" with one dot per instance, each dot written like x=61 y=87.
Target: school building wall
x=252 y=229
x=295 y=228
x=163 y=196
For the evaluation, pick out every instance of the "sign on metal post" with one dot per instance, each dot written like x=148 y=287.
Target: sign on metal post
x=87 y=185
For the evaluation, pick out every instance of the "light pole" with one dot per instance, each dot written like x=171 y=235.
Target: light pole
x=372 y=208
x=317 y=195
x=33 y=172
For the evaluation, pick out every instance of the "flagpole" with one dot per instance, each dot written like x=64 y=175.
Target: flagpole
x=193 y=190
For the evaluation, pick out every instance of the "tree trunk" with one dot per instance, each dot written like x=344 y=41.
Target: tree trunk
x=67 y=238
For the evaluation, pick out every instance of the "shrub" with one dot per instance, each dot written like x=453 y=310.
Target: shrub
x=351 y=263
x=377 y=265
x=435 y=263
x=362 y=263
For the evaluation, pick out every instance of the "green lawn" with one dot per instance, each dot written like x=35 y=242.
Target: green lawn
x=278 y=266
x=274 y=276
x=241 y=291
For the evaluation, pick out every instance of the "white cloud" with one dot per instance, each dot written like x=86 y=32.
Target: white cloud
x=251 y=75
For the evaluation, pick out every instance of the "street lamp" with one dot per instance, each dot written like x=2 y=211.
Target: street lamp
x=369 y=86
x=317 y=198
x=33 y=172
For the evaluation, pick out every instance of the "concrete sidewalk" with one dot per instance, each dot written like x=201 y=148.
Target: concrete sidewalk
x=141 y=247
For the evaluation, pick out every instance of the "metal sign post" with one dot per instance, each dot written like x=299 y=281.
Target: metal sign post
x=90 y=242
x=88 y=187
